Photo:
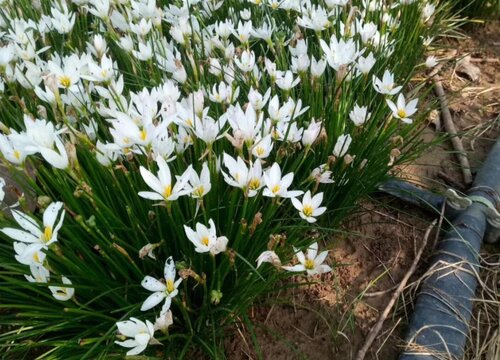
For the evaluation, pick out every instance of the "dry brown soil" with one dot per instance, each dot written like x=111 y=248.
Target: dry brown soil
x=330 y=319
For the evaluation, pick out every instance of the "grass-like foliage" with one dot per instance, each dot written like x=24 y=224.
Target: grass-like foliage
x=180 y=154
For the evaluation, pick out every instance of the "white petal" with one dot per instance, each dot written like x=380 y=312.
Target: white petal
x=150 y=195
x=27 y=223
x=20 y=235
x=137 y=350
x=152 y=300
x=152 y=181
x=151 y=284
x=296 y=268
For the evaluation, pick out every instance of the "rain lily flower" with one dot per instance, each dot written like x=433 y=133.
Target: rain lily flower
x=309 y=208
x=386 y=86
x=63 y=293
x=205 y=239
x=162 y=185
x=32 y=232
x=29 y=254
x=276 y=186
x=342 y=145
x=141 y=335
x=431 y=61
x=310 y=134
x=247 y=179
x=164 y=321
x=312 y=262
x=199 y=186
x=359 y=114
x=268 y=256
x=167 y=290
x=402 y=110
x=39 y=274
x=322 y=175
x=262 y=147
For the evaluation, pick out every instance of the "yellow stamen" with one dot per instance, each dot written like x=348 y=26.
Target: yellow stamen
x=17 y=154
x=189 y=122
x=143 y=134
x=307 y=210
x=36 y=258
x=47 y=233
x=402 y=113
x=204 y=240
x=275 y=189
x=260 y=150
x=170 y=286
x=199 y=191
x=167 y=191
x=65 y=81
x=309 y=265
x=254 y=184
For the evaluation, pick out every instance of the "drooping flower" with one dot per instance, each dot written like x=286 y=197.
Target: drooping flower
x=402 y=110
x=268 y=256
x=141 y=334
x=205 y=239
x=160 y=290
x=162 y=185
x=312 y=262
x=309 y=208
x=63 y=293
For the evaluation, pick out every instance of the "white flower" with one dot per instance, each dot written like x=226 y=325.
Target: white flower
x=162 y=185
x=403 y=111
x=163 y=322
x=246 y=62
x=160 y=290
x=29 y=254
x=340 y=52
x=32 y=233
x=249 y=180
x=359 y=115
x=386 y=85
x=317 y=67
x=141 y=335
x=268 y=256
x=428 y=11
x=322 y=175
x=364 y=65
x=262 y=147
x=199 y=186
x=63 y=293
x=277 y=186
x=205 y=239
x=285 y=81
x=312 y=263
x=431 y=61
x=342 y=145
x=309 y=208
x=39 y=274
x=310 y=134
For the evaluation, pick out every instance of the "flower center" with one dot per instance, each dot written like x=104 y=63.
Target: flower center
x=35 y=257
x=402 y=113
x=65 y=81
x=204 y=240
x=143 y=134
x=17 y=154
x=260 y=150
x=170 y=286
x=254 y=184
x=309 y=264
x=167 y=191
x=199 y=191
x=307 y=210
x=275 y=189
x=47 y=233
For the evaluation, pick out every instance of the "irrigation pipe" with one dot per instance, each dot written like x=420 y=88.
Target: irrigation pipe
x=440 y=323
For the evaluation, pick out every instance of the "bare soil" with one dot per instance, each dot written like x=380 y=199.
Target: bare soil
x=331 y=318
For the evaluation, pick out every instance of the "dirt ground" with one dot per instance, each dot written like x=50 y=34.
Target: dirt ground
x=330 y=319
